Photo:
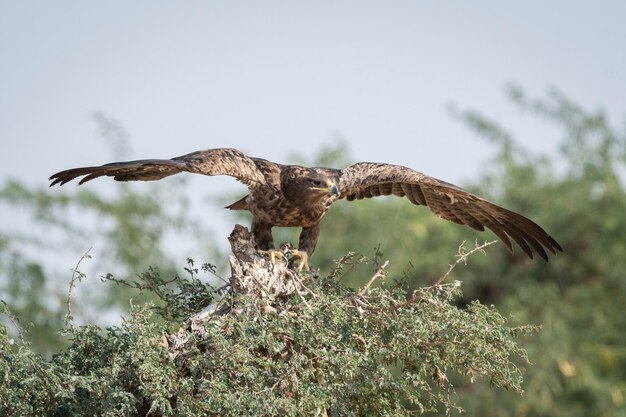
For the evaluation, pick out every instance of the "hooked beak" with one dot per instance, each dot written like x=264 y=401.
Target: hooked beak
x=333 y=189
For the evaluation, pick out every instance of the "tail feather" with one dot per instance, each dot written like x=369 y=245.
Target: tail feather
x=241 y=204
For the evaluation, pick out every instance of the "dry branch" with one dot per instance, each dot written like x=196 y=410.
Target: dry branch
x=76 y=276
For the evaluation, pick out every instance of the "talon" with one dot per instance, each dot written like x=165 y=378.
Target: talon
x=304 y=259
x=273 y=254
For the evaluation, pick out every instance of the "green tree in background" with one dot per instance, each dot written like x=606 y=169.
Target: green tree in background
x=579 y=297
x=578 y=358
x=131 y=227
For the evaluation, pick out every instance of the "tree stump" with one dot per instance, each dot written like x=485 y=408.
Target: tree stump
x=254 y=274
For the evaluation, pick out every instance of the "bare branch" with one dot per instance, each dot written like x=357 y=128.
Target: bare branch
x=378 y=274
x=76 y=276
x=297 y=278
x=461 y=257
x=20 y=333
x=13 y=320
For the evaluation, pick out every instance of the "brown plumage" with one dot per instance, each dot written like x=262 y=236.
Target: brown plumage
x=292 y=195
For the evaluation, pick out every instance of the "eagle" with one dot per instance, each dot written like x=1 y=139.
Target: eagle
x=297 y=196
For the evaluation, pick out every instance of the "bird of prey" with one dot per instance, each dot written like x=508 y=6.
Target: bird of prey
x=296 y=196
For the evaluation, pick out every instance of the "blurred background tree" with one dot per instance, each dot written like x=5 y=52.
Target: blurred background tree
x=579 y=297
x=132 y=227
x=578 y=196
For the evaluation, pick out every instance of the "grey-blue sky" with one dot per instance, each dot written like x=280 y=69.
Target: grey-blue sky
x=274 y=77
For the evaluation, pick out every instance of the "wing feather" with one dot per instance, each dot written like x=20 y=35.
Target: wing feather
x=467 y=219
x=447 y=201
x=406 y=187
x=209 y=162
x=397 y=190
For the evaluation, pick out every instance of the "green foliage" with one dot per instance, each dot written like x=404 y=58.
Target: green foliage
x=132 y=224
x=129 y=230
x=337 y=351
x=178 y=297
x=576 y=193
x=25 y=288
x=579 y=297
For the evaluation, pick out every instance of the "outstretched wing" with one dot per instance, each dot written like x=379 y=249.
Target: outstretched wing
x=210 y=162
x=449 y=202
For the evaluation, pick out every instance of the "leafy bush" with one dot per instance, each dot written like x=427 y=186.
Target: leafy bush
x=307 y=345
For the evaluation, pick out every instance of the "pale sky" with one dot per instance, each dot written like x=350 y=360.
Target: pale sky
x=275 y=77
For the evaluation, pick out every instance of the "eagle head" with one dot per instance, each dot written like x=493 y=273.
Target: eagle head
x=310 y=186
x=320 y=183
